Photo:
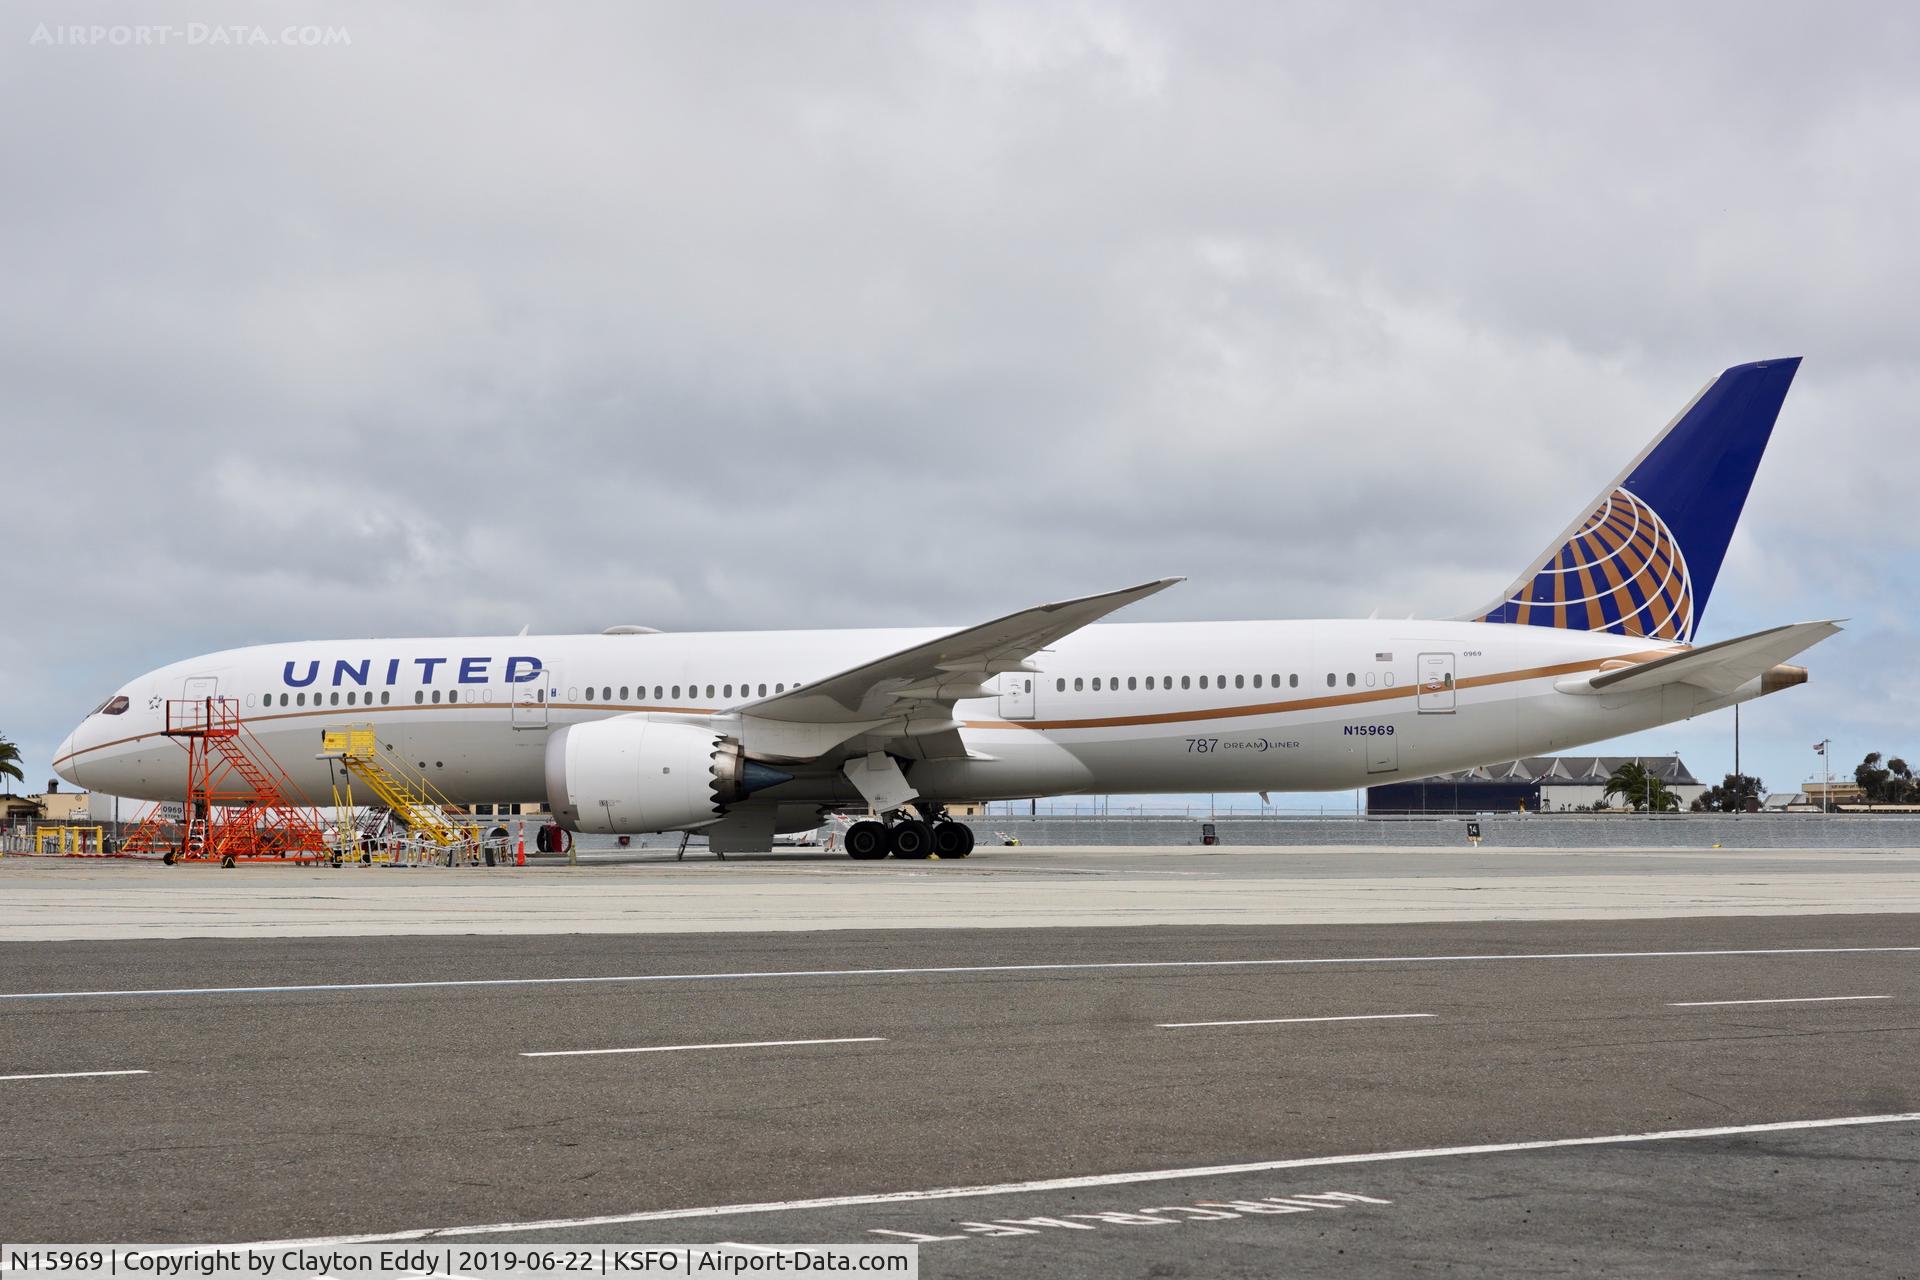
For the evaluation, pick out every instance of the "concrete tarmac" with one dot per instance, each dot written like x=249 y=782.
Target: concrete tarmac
x=293 y=1089
x=1080 y=887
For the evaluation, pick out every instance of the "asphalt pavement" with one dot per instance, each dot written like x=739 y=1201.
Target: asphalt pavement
x=326 y=1087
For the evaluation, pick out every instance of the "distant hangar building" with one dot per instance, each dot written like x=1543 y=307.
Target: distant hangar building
x=1539 y=784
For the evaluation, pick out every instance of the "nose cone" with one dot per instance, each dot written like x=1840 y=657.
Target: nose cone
x=64 y=762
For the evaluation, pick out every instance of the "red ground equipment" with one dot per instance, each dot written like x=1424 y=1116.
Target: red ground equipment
x=240 y=805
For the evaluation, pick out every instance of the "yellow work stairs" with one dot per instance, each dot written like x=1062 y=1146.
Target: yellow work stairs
x=414 y=801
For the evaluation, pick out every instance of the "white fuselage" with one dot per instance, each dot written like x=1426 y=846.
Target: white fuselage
x=1113 y=709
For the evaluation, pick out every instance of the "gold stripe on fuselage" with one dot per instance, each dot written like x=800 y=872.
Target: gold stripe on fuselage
x=1356 y=698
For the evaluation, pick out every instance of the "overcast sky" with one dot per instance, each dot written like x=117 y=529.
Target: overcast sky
x=713 y=315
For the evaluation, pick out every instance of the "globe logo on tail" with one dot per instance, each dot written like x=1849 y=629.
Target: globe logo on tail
x=1621 y=572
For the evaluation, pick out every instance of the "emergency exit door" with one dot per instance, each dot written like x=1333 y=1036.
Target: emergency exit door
x=1016 y=695
x=1436 y=682
x=530 y=702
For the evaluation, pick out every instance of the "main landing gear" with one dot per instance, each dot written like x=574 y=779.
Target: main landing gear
x=912 y=838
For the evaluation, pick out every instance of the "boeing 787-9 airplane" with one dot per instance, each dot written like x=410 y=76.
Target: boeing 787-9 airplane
x=742 y=734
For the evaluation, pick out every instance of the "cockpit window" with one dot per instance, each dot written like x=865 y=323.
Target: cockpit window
x=112 y=706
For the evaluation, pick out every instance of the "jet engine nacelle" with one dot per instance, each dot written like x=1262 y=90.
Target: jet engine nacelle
x=629 y=775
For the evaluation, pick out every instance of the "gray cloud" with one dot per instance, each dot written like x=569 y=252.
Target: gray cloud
x=767 y=315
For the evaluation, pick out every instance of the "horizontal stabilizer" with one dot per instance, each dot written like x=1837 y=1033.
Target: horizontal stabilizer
x=1717 y=668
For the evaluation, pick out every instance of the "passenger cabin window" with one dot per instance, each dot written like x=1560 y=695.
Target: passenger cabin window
x=763 y=691
x=283 y=699
x=1293 y=681
x=1149 y=682
x=1256 y=680
x=385 y=697
x=1078 y=684
x=1186 y=682
x=1060 y=685
x=1096 y=684
x=1349 y=679
x=1330 y=680
x=589 y=694
x=1239 y=682
x=1133 y=682
x=436 y=695
x=623 y=693
x=1203 y=682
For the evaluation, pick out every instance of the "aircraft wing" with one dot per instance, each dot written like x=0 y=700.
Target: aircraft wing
x=920 y=684
x=1719 y=668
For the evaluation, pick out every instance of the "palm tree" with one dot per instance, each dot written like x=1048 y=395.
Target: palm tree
x=1640 y=789
x=10 y=763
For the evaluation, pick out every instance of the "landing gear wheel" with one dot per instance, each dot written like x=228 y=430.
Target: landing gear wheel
x=166 y=859
x=952 y=839
x=867 y=840
x=910 y=839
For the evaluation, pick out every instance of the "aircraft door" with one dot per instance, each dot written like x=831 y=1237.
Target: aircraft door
x=200 y=688
x=530 y=702
x=1016 y=695
x=1436 y=682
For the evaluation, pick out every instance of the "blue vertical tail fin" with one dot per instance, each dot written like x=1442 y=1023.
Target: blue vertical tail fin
x=1641 y=559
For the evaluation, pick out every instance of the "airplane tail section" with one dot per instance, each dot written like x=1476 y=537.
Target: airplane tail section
x=1641 y=559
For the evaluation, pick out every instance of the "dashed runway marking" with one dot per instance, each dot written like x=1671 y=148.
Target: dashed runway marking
x=677 y=1048
x=1261 y=1022
x=1702 y=1004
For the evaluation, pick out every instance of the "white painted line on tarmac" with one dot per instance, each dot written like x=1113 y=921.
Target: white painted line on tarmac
x=1702 y=1004
x=72 y=1075
x=677 y=1048
x=1262 y=1022
x=430 y=983
x=1092 y=1180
